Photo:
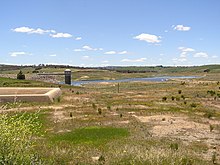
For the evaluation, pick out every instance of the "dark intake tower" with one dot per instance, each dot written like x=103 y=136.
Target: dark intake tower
x=67 y=74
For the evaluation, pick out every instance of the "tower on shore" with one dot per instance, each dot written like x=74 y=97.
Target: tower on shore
x=67 y=74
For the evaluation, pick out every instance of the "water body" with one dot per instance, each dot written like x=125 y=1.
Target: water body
x=154 y=79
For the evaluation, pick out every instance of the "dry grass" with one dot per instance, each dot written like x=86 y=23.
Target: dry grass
x=155 y=126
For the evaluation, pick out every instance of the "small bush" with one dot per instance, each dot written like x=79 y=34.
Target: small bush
x=18 y=136
x=209 y=114
x=173 y=98
x=193 y=105
x=211 y=127
x=94 y=106
x=214 y=158
x=99 y=111
x=35 y=71
x=71 y=114
x=183 y=83
x=20 y=76
x=174 y=146
x=179 y=91
x=164 y=98
x=58 y=99
x=212 y=93
x=109 y=107
x=101 y=159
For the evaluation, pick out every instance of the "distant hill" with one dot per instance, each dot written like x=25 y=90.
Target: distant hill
x=125 y=69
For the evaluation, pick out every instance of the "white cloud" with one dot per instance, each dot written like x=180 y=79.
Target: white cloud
x=111 y=52
x=61 y=35
x=114 y=52
x=85 y=57
x=183 y=49
x=86 y=47
x=123 y=52
x=15 y=54
x=214 y=56
x=148 y=38
x=106 y=61
x=23 y=30
x=78 y=50
x=181 y=28
x=134 y=60
x=78 y=38
x=53 y=55
x=201 y=54
x=179 y=60
x=32 y=30
x=183 y=55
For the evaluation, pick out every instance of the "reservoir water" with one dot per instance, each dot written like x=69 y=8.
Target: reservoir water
x=154 y=79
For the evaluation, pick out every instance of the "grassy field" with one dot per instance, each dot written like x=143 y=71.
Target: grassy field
x=173 y=122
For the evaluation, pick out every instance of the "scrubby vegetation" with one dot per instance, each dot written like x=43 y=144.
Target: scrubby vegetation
x=18 y=135
x=172 y=122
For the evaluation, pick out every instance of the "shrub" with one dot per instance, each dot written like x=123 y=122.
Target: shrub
x=58 y=99
x=193 y=105
x=183 y=83
x=207 y=70
x=71 y=114
x=101 y=159
x=211 y=127
x=17 y=138
x=99 y=111
x=212 y=93
x=109 y=107
x=214 y=158
x=94 y=106
x=20 y=76
x=209 y=114
x=35 y=71
x=164 y=98
x=173 y=98
x=174 y=146
x=179 y=91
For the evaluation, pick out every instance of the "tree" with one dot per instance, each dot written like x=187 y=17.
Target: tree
x=20 y=76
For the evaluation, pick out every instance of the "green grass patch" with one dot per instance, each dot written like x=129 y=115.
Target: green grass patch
x=9 y=82
x=92 y=135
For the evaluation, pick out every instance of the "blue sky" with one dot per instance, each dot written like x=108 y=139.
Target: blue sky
x=110 y=32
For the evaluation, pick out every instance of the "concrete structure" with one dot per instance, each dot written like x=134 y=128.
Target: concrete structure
x=67 y=74
x=13 y=94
